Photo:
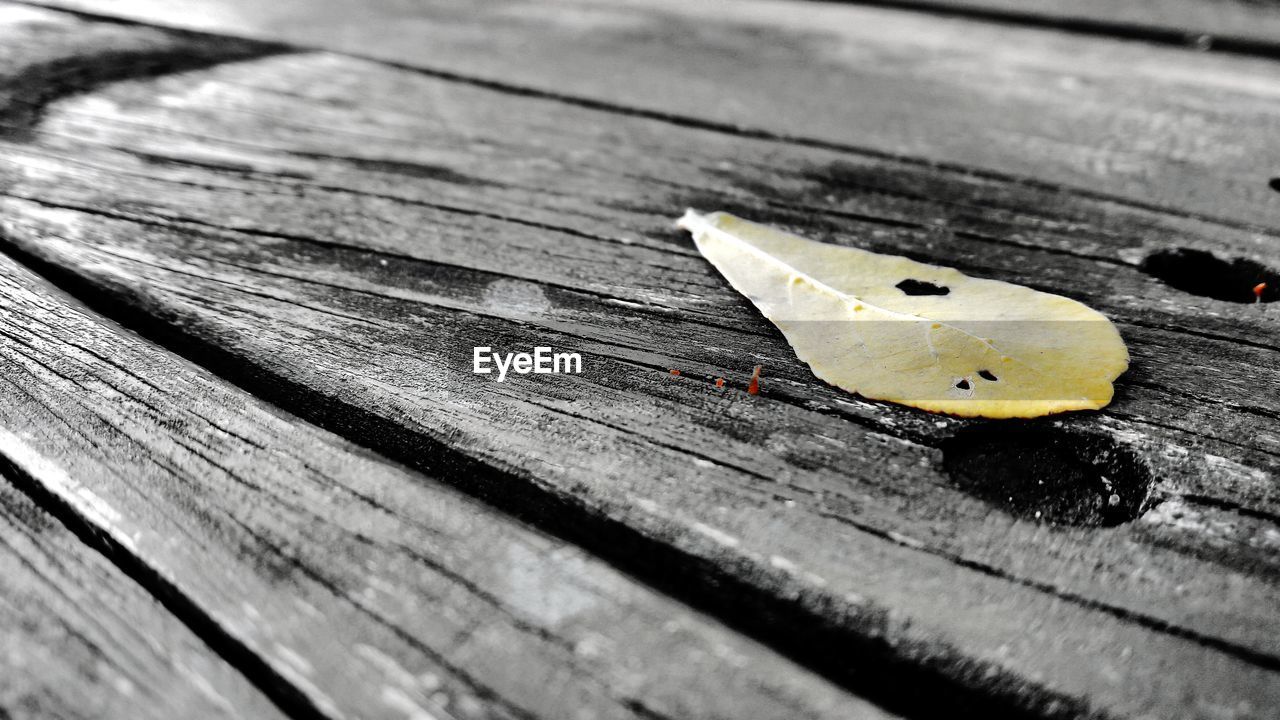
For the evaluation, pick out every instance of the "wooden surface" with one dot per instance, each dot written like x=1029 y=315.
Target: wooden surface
x=1142 y=124
x=1245 y=26
x=335 y=233
x=78 y=639
x=215 y=500
x=1238 y=26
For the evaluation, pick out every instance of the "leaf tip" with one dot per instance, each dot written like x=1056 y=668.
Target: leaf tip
x=692 y=221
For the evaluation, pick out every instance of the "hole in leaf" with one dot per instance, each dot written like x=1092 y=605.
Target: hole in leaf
x=920 y=287
x=963 y=384
x=1048 y=476
x=987 y=375
x=1203 y=273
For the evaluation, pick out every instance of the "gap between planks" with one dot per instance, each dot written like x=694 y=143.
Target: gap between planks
x=673 y=118
x=1226 y=39
x=187 y=545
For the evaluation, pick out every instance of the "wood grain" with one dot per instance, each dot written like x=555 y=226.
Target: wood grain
x=79 y=639
x=360 y=588
x=336 y=235
x=1245 y=26
x=45 y=55
x=1149 y=125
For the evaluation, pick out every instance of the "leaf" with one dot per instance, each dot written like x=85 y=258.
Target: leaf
x=890 y=328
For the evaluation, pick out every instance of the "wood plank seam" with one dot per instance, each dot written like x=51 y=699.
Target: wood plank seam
x=802 y=633
x=692 y=122
x=81 y=640
x=155 y=218
x=174 y=221
x=28 y=199
x=279 y=690
x=178 y=343
x=986 y=238
x=1191 y=39
x=102 y=513
x=483 y=476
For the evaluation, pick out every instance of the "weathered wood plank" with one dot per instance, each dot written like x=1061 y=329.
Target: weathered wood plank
x=367 y=590
x=45 y=55
x=1187 y=131
x=247 y=594
x=1235 y=25
x=338 y=235
x=80 y=639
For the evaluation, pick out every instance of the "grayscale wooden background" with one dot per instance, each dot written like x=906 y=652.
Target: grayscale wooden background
x=246 y=249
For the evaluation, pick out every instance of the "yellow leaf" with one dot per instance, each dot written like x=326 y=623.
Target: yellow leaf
x=890 y=328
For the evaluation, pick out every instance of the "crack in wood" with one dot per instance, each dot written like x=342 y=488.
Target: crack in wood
x=887 y=674
x=698 y=581
x=195 y=349
x=1082 y=24
x=692 y=122
x=283 y=693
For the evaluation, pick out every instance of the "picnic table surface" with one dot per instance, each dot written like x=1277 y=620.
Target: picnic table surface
x=247 y=470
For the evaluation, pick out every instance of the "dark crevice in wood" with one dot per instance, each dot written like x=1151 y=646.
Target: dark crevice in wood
x=252 y=666
x=697 y=123
x=850 y=650
x=1196 y=397
x=966 y=234
x=754 y=133
x=650 y=441
x=1196 y=333
x=1198 y=272
x=1077 y=25
x=1048 y=475
x=639 y=708
x=828 y=180
x=1120 y=415
x=1270 y=662
x=415 y=170
x=239 y=656
x=487 y=598
x=246 y=171
x=439 y=173
x=1221 y=504
x=479 y=688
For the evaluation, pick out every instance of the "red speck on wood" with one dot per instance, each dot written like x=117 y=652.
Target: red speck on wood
x=675 y=372
x=754 y=387
x=1258 y=290
x=719 y=382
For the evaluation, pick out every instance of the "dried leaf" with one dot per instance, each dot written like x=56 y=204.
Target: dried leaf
x=890 y=328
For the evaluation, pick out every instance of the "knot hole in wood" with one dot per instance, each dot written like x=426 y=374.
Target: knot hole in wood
x=1048 y=475
x=1238 y=280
